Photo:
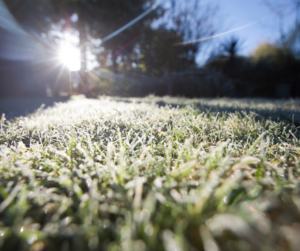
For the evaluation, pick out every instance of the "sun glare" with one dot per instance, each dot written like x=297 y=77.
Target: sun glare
x=70 y=56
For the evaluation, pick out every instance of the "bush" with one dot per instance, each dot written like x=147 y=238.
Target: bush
x=259 y=74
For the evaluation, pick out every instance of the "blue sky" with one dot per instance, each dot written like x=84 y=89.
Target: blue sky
x=236 y=13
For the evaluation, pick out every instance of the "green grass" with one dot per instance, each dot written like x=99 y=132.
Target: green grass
x=126 y=174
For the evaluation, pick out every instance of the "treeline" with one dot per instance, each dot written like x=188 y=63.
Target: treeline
x=148 y=56
x=270 y=71
x=147 y=44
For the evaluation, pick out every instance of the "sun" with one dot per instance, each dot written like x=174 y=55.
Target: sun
x=70 y=56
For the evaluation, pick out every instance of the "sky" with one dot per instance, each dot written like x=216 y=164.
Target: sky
x=260 y=25
x=237 y=13
x=257 y=22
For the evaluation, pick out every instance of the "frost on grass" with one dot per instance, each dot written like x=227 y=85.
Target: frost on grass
x=108 y=175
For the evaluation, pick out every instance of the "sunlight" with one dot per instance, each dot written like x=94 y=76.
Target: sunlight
x=70 y=56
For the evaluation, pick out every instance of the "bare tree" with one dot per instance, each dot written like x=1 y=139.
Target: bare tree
x=193 y=19
x=231 y=46
x=283 y=9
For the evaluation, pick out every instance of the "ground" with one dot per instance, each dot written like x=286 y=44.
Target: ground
x=152 y=174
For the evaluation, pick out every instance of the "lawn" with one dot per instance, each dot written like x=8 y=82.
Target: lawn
x=152 y=174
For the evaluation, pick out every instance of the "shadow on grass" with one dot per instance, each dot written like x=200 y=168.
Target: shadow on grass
x=276 y=110
x=15 y=107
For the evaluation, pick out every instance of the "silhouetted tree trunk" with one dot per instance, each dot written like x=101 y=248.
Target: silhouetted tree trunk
x=82 y=45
